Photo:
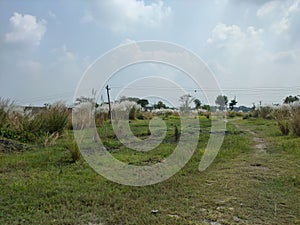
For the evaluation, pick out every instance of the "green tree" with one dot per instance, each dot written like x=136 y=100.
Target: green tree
x=206 y=107
x=143 y=102
x=160 y=105
x=222 y=101
x=232 y=103
x=131 y=99
x=291 y=99
x=197 y=103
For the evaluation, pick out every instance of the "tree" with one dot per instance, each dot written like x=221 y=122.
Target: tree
x=291 y=99
x=197 y=103
x=130 y=99
x=232 y=103
x=160 y=105
x=143 y=102
x=222 y=101
x=206 y=107
x=186 y=100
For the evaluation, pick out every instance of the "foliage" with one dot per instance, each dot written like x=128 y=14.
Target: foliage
x=128 y=99
x=143 y=102
x=29 y=126
x=159 y=105
x=186 y=100
x=222 y=101
x=265 y=112
x=197 y=103
x=232 y=103
x=37 y=187
x=176 y=133
x=291 y=99
x=295 y=118
x=206 y=107
x=54 y=118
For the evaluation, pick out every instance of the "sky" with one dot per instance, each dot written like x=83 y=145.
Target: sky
x=251 y=46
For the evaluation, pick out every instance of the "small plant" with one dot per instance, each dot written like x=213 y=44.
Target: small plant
x=72 y=147
x=48 y=139
x=176 y=133
x=74 y=150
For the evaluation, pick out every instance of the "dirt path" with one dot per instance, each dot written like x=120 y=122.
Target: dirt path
x=260 y=144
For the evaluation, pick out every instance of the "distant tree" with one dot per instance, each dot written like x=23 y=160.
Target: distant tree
x=159 y=105
x=291 y=99
x=186 y=100
x=82 y=99
x=232 y=103
x=206 y=107
x=222 y=101
x=197 y=103
x=143 y=102
x=131 y=99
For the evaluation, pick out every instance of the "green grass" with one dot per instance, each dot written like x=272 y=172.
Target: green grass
x=42 y=186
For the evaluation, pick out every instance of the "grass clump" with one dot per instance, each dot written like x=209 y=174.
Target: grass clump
x=282 y=116
x=295 y=118
x=29 y=126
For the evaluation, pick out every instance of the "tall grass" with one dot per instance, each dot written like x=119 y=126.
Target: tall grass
x=54 y=118
x=288 y=118
x=29 y=126
x=282 y=115
x=295 y=118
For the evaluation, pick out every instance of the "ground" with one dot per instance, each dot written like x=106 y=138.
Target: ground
x=254 y=180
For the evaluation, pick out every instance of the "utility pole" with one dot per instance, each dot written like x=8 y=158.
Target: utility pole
x=109 y=106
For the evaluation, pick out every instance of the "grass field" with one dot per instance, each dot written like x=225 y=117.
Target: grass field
x=254 y=180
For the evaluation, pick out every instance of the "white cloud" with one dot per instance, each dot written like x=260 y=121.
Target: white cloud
x=236 y=40
x=123 y=15
x=280 y=14
x=25 y=29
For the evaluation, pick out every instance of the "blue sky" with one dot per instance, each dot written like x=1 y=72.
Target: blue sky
x=252 y=46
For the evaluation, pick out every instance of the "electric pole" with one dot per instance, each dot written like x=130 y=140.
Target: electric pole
x=109 y=107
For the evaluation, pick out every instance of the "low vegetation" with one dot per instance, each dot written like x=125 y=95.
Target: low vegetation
x=48 y=182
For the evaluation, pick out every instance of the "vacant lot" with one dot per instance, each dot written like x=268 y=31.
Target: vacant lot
x=254 y=180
